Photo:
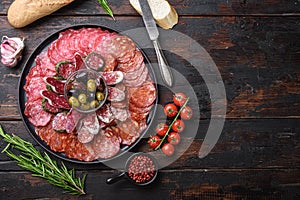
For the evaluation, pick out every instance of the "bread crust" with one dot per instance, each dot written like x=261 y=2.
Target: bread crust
x=167 y=21
x=23 y=12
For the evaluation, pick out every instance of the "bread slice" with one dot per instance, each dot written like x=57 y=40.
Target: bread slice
x=23 y=12
x=163 y=13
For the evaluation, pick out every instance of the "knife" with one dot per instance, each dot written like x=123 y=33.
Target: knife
x=153 y=33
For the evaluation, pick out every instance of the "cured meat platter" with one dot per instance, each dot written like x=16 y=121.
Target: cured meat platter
x=66 y=121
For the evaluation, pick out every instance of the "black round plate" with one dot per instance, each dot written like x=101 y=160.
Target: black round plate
x=22 y=96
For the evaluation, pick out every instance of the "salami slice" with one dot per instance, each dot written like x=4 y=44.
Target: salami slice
x=138 y=116
x=135 y=74
x=56 y=100
x=35 y=113
x=110 y=63
x=139 y=80
x=133 y=64
x=144 y=96
x=73 y=117
x=115 y=94
x=33 y=87
x=105 y=147
x=105 y=114
x=119 y=113
x=141 y=110
x=59 y=122
x=112 y=77
x=84 y=135
x=91 y=123
x=128 y=131
x=49 y=108
x=57 y=86
x=79 y=151
x=65 y=69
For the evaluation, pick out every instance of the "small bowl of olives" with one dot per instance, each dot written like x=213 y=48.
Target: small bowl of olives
x=85 y=90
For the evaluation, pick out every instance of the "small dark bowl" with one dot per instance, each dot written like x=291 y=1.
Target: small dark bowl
x=84 y=74
x=125 y=174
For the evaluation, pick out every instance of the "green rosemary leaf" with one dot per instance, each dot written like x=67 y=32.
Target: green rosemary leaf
x=41 y=165
x=106 y=7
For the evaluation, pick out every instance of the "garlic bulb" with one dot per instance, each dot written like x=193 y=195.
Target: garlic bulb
x=11 y=50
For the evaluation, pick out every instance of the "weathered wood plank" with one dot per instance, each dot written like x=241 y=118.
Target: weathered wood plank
x=244 y=143
x=195 y=184
x=186 y=7
x=257 y=57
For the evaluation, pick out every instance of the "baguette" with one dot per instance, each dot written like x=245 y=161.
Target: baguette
x=163 y=13
x=23 y=12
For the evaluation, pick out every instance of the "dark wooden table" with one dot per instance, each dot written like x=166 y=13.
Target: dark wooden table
x=255 y=46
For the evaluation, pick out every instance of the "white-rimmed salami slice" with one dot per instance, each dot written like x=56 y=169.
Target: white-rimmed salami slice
x=56 y=86
x=56 y=100
x=115 y=94
x=59 y=122
x=35 y=113
x=49 y=108
x=105 y=147
x=113 y=77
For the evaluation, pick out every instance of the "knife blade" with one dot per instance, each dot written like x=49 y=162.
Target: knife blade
x=153 y=33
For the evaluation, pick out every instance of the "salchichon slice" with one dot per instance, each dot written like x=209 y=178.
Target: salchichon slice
x=59 y=122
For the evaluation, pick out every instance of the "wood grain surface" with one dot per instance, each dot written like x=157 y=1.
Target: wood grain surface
x=255 y=46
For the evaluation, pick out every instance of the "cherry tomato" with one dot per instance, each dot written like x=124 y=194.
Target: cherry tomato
x=168 y=149
x=170 y=110
x=161 y=129
x=178 y=126
x=173 y=138
x=186 y=113
x=154 y=141
x=179 y=99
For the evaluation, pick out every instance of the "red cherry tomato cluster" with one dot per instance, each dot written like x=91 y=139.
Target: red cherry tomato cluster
x=169 y=134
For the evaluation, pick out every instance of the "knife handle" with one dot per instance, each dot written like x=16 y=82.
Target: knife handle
x=164 y=68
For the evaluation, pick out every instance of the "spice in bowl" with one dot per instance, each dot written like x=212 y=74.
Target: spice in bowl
x=141 y=169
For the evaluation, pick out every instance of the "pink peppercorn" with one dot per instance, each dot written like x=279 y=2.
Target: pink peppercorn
x=141 y=169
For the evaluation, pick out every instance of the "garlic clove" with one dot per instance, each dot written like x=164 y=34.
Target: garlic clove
x=11 y=50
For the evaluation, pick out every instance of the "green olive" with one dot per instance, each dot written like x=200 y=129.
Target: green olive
x=73 y=101
x=99 y=96
x=85 y=106
x=91 y=85
x=82 y=98
x=94 y=104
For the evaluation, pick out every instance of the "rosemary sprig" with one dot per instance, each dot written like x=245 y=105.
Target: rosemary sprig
x=41 y=165
x=106 y=7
